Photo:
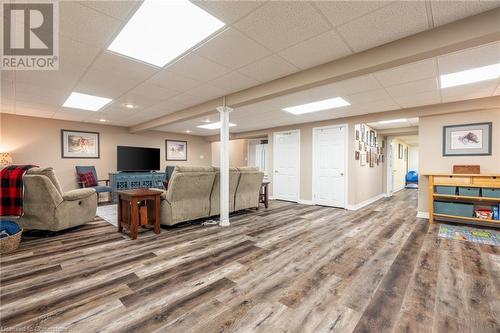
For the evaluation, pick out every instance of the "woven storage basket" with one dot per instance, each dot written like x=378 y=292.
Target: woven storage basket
x=8 y=244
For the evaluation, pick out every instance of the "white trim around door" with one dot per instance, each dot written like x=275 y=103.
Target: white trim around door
x=290 y=190
x=342 y=173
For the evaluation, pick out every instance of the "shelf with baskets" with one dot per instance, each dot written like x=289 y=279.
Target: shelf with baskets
x=465 y=198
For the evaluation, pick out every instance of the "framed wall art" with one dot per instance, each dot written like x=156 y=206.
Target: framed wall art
x=79 y=144
x=176 y=150
x=467 y=139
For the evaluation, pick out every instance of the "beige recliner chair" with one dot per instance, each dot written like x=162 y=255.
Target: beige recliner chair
x=247 y=192
x=234 y=178
x=188 y=195
x=47 y=207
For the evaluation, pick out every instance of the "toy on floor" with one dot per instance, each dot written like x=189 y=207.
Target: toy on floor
x=411 y=179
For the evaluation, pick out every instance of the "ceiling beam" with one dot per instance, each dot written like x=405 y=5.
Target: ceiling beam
x=466 y=33
x=486 y=103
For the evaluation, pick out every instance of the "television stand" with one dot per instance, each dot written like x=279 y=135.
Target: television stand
x=124 y=180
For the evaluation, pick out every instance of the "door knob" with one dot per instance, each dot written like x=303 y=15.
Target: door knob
x=275 y=171
x=341 y=173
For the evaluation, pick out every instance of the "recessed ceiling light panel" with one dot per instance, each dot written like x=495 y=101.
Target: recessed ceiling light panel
x=86 y=102
x=213 y=125
x=325 y=104
x=160 y=31
x=478 y=74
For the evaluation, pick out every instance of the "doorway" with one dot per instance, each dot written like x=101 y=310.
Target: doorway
x=329 y=183
x=286 y=165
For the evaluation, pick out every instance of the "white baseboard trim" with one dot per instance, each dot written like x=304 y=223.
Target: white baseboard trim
x=306 y=202
x=423 y=215
x=271 y=197
x=366 y=202
x=399 y=189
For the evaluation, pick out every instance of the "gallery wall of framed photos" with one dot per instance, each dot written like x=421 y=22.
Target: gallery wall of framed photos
x=369 y=147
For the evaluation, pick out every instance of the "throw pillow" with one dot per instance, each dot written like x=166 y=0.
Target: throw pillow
x=88 y=179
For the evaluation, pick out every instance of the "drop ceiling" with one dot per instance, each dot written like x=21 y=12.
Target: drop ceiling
x=263 y=41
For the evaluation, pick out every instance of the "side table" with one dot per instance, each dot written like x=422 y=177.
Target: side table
x=128 y=209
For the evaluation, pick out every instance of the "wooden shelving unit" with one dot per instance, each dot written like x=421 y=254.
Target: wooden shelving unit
x=465 y=180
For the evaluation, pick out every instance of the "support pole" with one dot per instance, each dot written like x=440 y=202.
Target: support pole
x=224 y=164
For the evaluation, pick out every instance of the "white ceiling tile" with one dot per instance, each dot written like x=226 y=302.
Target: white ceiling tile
x=68 y=114
x=105 y=84
x=228 y=11
x=232 y=49
x=198 y=68
x=117 y=112
x=179 y=102
x=86 y=25
x=73 y=52
x=448 y=11
x=268 y=69
x=414 y=87
x=280 y=24
x=147 y=94
x=173 y=81
x=40 y=94
x=113 y=63
x=406 y=73
x=117 y=8
x=207 y=91
x=233 y=82
x=398 y=20
x=317 y=50
x=64 y=78
x=340 y=12
x=470 y=58
x=418 y=99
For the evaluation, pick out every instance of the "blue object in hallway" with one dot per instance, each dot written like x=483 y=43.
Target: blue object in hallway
x=411 y=179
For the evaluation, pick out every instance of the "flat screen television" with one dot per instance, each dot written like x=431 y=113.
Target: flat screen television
x=138 y=158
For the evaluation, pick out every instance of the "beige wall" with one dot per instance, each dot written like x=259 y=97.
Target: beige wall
x=363 y=182
x=398 y=165
x=38 y=141
x=238 y=153
x=431 y=159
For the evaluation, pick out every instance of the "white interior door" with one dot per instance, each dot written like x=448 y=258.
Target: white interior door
x=286 y=164
x=329 y=166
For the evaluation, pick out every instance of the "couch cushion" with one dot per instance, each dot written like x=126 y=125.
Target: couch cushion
x=88 y=179
x=49 y=173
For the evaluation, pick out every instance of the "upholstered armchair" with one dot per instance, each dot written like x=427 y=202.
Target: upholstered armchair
x=47 y=207
x=82 y=170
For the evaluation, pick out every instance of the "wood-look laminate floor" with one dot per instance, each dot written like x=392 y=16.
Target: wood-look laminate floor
x=291 y=268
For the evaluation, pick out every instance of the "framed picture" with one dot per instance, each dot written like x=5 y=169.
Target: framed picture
x=77 y=144
x=373 y=157
x=360 y=146
x=400 y=151
x=467 y=139
x=356 y=155
x=357 y=135
x=382 y=158
x=362 y=158
x=176 y=150
x=372 y=138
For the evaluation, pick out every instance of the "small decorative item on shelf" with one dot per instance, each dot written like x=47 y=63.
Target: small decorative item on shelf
x=484 y=213
x=496 y=212
x=10 y=236
x=467 y=169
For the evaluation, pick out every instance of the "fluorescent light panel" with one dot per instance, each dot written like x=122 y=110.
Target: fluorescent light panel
x=86 y=102
x=160 y=31
x=325 y=104
x=392 y=121
x=478 y=74
x=213 y=125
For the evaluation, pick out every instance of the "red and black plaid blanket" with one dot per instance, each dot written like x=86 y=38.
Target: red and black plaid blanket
x=12 y=189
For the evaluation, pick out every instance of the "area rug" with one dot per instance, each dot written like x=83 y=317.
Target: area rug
x=109 y=213
x=469 y=234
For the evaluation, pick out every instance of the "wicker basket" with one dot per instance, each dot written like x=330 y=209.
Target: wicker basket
x=11 y=243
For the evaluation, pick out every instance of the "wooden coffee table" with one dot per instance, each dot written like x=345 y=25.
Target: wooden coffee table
x=128 y=210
